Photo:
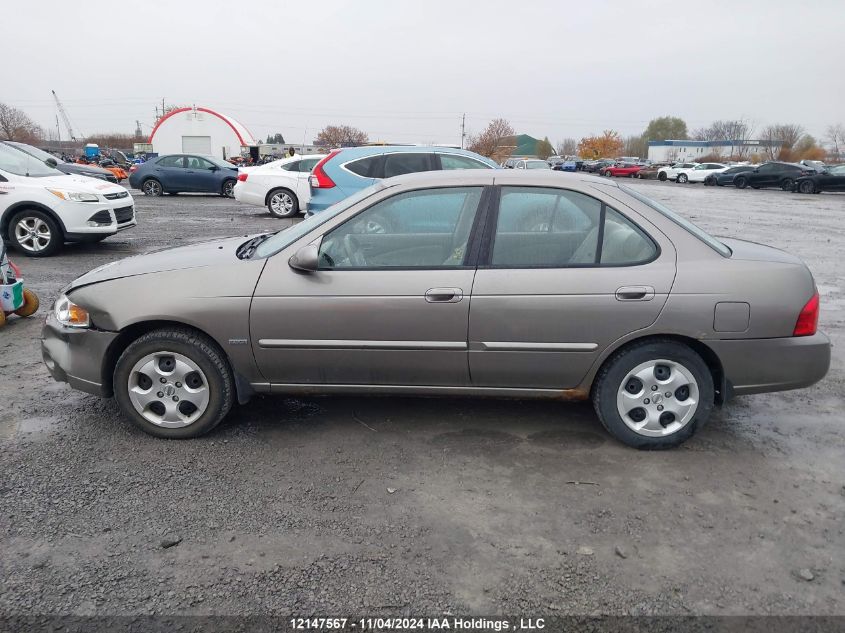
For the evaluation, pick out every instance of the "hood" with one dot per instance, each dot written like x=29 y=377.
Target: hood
x=751 y=251
x=198 y=255
x=78 y=182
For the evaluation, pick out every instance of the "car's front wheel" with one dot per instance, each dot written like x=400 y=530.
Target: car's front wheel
x=740 y=182
x=152 y=187
x=228 y=190
x=683 y=178
x=655 y=394
x=787 y=183
x=174 y=383
x=35 y=233
x=282 y=203
x=807 y=186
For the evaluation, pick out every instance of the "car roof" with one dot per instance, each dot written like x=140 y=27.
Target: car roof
x=509 y=177
x=372 y=150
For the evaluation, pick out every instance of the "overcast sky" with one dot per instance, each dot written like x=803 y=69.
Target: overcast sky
x=406 y=70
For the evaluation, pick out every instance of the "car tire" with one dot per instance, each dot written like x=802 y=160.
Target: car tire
x=30 y=304
x=807 y=186
x=228 y=188
x=152 y=365
x=740 y=182
x=662 y=176
x=152 y=187
x=786 y=184
x=682 y=179
x=282 y=203
x=35 y=233
x=626 y=380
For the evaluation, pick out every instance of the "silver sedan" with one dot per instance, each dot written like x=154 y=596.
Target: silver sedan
x=525 y=284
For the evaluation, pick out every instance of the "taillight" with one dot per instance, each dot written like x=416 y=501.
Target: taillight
x=319 y=179
x=243 y=177
x=808 y=320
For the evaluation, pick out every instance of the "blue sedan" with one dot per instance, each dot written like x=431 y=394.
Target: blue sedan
x=178 y=173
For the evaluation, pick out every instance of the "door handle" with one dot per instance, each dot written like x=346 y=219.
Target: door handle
x=444 y=295
x=635 y=293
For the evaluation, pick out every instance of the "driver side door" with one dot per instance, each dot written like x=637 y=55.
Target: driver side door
x=388 y=304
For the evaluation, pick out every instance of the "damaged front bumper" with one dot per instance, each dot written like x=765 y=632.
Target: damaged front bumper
x=76 y=356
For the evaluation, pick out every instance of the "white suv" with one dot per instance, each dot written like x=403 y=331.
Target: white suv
x=41 y=208
x=671 y=172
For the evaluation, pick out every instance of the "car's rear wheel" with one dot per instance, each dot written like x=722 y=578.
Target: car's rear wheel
x=787 y=183
x=282 y=203
x=654 y=394
x=228 y=189
x=807 y=186
x=710 y=181
x=35 y=233
x=174 y=383
x=152 y=187
x=662 y=176
x=683 y=178
x=741 y=182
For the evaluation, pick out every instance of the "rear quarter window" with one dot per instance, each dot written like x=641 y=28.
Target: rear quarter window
x=368 y=167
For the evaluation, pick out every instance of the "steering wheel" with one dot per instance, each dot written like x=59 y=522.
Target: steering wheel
x=352 y=248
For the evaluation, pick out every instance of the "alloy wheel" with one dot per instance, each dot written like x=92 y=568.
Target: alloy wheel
x=168 y=389
x=152 y=188
x=228 y=189
x=33 y=234
x=281 y=203
x=657 y=398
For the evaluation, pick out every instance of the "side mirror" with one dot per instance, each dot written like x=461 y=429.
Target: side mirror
x=52 y=162
x=306 y=259
x=213 y=168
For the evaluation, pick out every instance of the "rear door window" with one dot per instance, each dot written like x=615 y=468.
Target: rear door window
x=406 y=163
x=171 y=161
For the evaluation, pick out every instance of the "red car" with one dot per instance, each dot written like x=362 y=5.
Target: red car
x=629 y=171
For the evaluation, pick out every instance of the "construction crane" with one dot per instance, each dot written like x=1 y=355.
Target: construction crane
x=64 y=116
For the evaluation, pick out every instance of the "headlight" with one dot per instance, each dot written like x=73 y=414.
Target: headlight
x=69 y=314
x=74 y=196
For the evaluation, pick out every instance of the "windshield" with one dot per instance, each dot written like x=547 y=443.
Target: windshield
x=705 y=237
x=220 y=162
x=288 y=236
x=40 y=154
x=536 y=164
x=20 y=163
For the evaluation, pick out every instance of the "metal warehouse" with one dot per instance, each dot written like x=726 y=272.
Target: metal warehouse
x=689 y=150
x=198 y=130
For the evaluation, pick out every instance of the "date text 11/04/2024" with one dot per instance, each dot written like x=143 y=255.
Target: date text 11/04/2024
x=417 y=624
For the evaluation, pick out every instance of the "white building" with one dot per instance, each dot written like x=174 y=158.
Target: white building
x=200 y=131
x=690 y=151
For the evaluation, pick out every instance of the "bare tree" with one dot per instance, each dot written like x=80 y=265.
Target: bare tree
x=15 y=125
x=835 y=135
x=341 y=136
x=636 y=146
x=567 y=147
x=492 y=141
x=782 y=139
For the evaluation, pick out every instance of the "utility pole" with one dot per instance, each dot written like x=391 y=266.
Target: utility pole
x=463 y=129
x=58 y=130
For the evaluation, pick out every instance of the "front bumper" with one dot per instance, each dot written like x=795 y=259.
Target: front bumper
x=75 y=355
x=773 y=364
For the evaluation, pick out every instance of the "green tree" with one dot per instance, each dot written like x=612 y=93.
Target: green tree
x=275 y=139
x=664 y=128
x=544 y=148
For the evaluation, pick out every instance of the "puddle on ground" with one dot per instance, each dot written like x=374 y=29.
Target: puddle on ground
x=12 y=426
x=569 y=439
x=476 y=438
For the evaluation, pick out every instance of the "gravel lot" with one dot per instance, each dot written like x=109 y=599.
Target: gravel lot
x=389 y=506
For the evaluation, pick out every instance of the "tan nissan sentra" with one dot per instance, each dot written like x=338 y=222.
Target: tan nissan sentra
x=483 y=283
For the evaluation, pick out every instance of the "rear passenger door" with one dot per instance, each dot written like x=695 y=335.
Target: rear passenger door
x=562 y=275
x=171 y=172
